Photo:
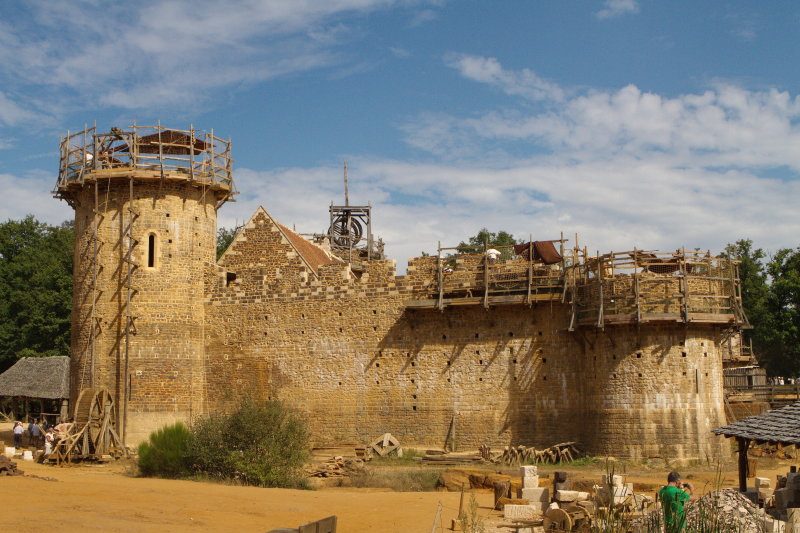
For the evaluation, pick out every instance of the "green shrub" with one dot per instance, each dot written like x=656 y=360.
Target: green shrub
x=260 y=443
x=166 y=453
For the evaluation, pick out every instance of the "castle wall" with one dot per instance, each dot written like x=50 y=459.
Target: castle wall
x=347 y=352
x=165 y=351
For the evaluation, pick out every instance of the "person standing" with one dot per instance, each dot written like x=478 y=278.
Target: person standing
x=34 y=433
x=673 y=498
x=18 y=431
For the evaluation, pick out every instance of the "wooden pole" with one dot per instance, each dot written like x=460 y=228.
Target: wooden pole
x=743 y=445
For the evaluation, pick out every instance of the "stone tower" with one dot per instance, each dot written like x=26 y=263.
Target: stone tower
x=145 y=202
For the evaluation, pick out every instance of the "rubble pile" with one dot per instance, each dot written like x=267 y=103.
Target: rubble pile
x=727 y=508
x=8 y=467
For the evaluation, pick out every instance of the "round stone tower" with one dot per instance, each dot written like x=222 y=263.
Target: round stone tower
x=145 y=202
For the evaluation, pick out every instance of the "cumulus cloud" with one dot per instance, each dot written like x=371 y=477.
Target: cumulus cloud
x=616 y=8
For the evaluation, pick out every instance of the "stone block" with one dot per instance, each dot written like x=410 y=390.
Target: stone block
x=765 y=493
x=534 y=495
x=571 y=496
x=528 y=470
x=614 y=481
x=793 y=479
x=524 y=512
x=762 y=483
x=793 y=520
x=772 y=525
x=530 y=482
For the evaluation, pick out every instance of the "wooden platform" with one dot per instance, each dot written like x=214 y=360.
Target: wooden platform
x=508 y=299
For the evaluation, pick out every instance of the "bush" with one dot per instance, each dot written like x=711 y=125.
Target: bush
x=260 y=443
x=166 y=453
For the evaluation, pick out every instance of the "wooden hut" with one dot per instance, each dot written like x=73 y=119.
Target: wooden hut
x=37 y=385
x=778 y=426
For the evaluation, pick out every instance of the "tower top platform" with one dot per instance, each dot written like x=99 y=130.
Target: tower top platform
x=145 y=153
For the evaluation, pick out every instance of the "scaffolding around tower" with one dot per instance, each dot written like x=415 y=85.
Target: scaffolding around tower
x=153 y=152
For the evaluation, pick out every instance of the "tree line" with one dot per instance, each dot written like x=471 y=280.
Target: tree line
x=36 y=292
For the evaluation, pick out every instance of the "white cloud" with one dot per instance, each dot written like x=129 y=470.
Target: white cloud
x=171 y=53
x=24 y=195
x=488 y=70
x=617 y=8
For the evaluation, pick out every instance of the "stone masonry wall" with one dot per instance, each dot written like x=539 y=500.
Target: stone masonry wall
x=347 y=352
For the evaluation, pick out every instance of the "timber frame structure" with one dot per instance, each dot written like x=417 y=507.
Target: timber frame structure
x=617 y=288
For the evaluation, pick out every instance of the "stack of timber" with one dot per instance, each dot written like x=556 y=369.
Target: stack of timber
x=338 y=460
x=8 y=467
x=437 y=457
x=557 y=453
x=337 y=466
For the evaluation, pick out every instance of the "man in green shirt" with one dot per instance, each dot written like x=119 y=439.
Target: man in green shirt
x=673 y=499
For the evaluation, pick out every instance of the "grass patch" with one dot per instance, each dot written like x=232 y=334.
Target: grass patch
x=412 y=479
x=410 y=456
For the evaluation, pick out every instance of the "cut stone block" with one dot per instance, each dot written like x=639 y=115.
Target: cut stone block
x=530 y=482
x=762 y=483
x=571 y=496
x=525 y=512
x=771 y=525
x=534 y=495
x=793 y=479
x=528 y=470
x=793 y=520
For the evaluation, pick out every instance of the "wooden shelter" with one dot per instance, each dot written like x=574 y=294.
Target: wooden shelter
x=778 y=426
x=44 y=380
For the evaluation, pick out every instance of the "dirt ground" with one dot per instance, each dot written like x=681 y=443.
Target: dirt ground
x=109 y=498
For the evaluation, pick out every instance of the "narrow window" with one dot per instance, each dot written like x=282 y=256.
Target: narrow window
x=151 y=251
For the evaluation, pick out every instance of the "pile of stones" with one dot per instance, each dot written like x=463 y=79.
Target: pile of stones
x=8 y=467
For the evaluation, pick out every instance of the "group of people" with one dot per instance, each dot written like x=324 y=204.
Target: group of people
x=779 y=380
x=41 y=434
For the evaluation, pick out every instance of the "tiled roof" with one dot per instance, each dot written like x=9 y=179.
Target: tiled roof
x=37 y=377
x=779 y=425
x=314 y=255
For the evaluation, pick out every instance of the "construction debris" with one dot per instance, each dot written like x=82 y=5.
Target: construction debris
x=557 y=453
x=342 y=459
x=336 y=467
x=9 y=467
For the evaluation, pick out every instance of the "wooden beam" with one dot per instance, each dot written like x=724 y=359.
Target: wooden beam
x=743 y=445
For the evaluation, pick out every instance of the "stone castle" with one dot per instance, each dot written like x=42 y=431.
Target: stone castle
x=621 y=352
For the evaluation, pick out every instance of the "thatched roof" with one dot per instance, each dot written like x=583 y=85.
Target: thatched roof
x=37 y=377
x=778 y=425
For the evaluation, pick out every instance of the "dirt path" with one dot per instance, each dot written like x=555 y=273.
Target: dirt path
x=102 y=498
x=107 y=498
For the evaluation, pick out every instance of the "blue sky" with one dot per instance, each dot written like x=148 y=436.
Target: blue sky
x=630 y=122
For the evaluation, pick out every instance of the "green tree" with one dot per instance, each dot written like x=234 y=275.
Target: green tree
x=224 y=239
x=35 y=289
x=476 y=242
x=782 y=336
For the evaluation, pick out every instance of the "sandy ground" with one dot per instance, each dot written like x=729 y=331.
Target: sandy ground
x=109 y=498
